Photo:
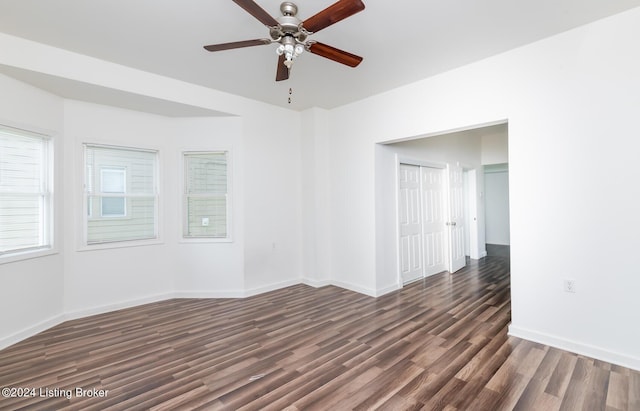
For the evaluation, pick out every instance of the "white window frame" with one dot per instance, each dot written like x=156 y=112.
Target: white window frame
x=122 y=171
x=46 y=237
x=84 y=244
x=229 y=198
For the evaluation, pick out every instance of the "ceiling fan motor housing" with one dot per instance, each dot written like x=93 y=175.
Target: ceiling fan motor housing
x=288 y=24
x=288 y=8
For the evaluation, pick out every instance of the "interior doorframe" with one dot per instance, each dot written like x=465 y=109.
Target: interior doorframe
x=475 y=206
x=472 y=200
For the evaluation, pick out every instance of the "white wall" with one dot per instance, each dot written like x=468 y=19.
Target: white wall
x=98 y=278
x=31 y=294
x=495 y=146
x=265 y=143
x=461 y=147
x=571 y=100
x=591 y=75
x=272 y=200
x=496 y=189
x=208 y=269
x=265 y=249
x=315 y=154
x=351 y=204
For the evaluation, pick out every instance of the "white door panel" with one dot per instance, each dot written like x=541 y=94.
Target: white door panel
x=410 y=221
x=456 y=228
x=434 y=220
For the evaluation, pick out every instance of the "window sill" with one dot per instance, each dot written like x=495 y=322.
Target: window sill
x=120 y=244
x=26 y=255
x=204 y=240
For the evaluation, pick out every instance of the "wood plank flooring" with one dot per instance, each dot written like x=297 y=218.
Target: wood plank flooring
x=437 y=344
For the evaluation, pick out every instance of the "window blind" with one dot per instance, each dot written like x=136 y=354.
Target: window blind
x=205 y=197
x=25 y=199
x=121 y=194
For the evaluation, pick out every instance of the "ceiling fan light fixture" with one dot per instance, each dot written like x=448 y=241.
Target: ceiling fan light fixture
x=290 y=49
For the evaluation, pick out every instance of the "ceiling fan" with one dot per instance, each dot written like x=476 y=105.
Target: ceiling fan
x=291 y=33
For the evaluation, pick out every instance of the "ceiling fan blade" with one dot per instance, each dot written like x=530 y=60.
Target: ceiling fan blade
x=256 y=11
x=237 y=44
x=335 y=54
x=333 y=14
x=282 y=71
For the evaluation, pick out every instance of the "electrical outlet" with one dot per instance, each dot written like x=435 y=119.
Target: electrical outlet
x=569 y=286
x=205 y=221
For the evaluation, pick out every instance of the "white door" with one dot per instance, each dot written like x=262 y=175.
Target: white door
x=455 y=221
x=434 y=220
x=410 y=223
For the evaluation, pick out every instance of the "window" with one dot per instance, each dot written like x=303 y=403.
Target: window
x=206 y=202
x=121 y=194
x=112 y=181
x=25 y=196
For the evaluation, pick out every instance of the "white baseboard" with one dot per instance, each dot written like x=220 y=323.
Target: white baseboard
x=356 y=288
x=210 y=294
x=388 y=289
x=236 y=293
x=576 y=347
x=316 y=283
x=352 y=287
x=370 y=292
x=271 y=287
x=31 y=331
x=86 y=312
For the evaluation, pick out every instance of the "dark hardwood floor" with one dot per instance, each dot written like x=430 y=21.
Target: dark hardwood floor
x=437 y=344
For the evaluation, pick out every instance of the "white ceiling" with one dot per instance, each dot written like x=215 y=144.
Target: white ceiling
x=402 y=41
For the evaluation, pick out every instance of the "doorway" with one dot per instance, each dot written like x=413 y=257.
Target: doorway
x=472 y=149
x=498 y=240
